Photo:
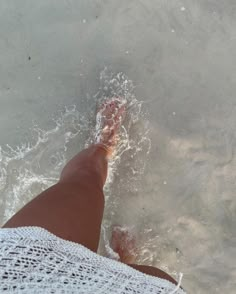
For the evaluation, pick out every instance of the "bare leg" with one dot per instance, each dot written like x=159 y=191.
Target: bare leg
x=73 y=208
x=153 y=271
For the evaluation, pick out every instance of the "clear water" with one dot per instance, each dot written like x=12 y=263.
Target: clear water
x=173 y=179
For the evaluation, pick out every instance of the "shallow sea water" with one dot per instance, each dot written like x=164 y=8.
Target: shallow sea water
x=172 y=181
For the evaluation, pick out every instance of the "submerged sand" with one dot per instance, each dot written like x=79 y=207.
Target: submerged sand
x=180 y=56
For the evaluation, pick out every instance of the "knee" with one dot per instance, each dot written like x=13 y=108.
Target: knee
x=153 y=271
x=90 y=165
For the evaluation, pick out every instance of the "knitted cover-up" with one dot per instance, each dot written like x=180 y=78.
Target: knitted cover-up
x=32 y=260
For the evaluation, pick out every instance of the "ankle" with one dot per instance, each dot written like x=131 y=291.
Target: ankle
x=105 y=150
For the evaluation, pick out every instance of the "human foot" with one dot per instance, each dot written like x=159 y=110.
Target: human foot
x=123 y=243
x=108 y=121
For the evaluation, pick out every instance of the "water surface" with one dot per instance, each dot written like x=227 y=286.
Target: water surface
x=177 y=186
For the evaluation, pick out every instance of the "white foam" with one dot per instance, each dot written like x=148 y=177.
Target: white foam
x=33 y=166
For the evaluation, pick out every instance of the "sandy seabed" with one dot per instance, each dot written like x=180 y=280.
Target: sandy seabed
x=179 y=198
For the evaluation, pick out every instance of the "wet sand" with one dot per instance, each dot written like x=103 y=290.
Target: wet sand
x=180 y=56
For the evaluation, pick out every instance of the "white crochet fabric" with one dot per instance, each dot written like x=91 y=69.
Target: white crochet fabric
x=32 y=260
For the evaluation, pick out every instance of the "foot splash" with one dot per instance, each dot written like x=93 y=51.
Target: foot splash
x=124 y=244
x=109 y=119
